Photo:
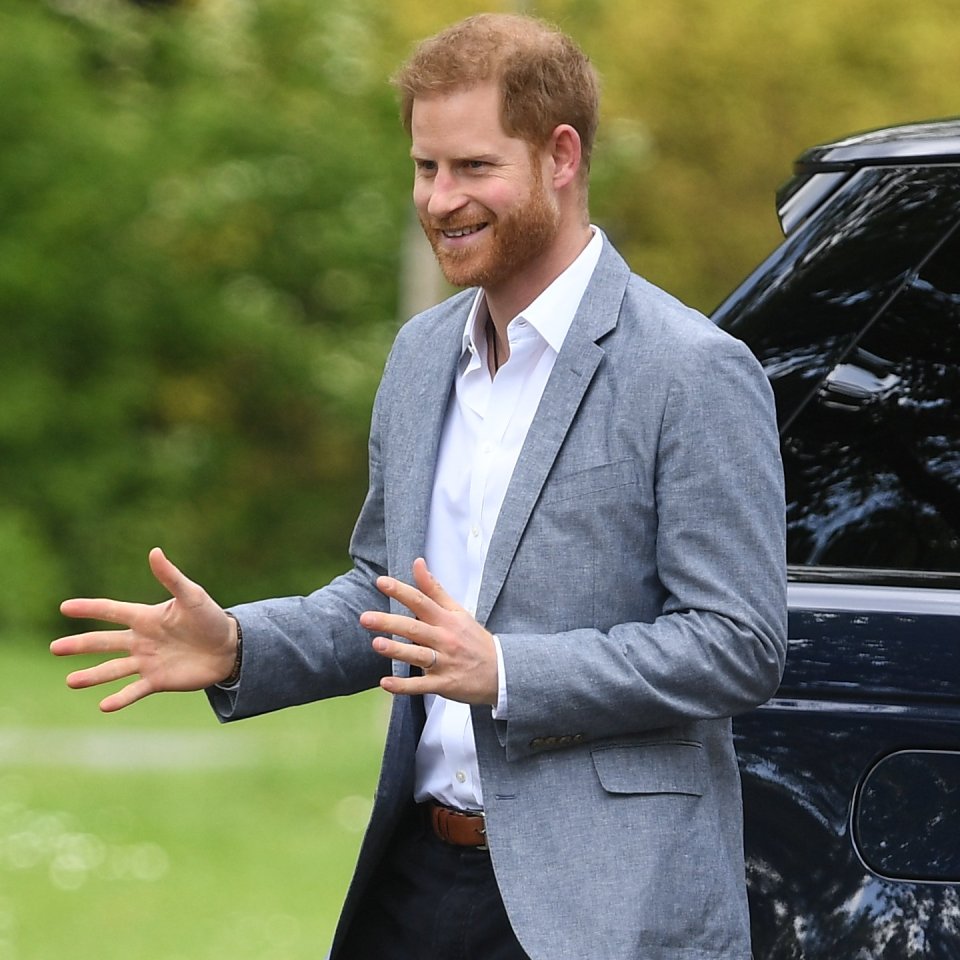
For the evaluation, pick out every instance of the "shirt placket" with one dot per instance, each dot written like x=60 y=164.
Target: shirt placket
x=456 y=738
x=489 y=475
x=494 y=405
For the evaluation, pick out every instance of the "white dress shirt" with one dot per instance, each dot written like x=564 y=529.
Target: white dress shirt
x=484 y=430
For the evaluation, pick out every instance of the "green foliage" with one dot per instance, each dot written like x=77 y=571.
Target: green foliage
x=708 y=102
x=203 y=206
x=197 y=281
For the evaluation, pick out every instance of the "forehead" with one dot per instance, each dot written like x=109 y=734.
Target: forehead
x=460 y=120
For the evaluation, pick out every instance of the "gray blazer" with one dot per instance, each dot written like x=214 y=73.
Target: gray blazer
x=636 y=580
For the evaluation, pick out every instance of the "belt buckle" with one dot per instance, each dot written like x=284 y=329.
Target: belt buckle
x=483 y=830
x=473 y=815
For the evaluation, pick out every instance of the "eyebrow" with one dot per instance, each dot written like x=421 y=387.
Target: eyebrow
x=466 y=158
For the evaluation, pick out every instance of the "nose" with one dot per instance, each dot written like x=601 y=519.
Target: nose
x=445 y=196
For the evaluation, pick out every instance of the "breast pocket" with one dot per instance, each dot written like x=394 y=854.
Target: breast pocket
x=675 y=766
x=589 y=482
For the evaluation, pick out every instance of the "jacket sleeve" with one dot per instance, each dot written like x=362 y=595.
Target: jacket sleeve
x=715 y=646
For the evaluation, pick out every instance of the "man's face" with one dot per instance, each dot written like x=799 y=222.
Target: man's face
x=479 y=193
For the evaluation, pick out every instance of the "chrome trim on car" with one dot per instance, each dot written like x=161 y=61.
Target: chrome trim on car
x=852 y=597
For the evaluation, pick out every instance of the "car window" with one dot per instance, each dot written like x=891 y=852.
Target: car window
x=872 y=450
x=804 y=307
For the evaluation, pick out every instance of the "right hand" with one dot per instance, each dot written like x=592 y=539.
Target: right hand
x=185 y=643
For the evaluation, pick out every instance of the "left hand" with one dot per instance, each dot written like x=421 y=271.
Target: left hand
x=185 y=643
x=466 y=658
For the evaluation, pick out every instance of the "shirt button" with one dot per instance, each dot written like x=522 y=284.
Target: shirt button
x=461 y=777
x=474 y=531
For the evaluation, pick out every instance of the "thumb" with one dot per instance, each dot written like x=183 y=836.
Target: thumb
x=170 y=577
x=431 y=587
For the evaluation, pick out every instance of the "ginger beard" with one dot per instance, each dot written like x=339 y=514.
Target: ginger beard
x=512 y=240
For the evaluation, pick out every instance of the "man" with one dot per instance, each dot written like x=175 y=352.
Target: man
x=582 y=477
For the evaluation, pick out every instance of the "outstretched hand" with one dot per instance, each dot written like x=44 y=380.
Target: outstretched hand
x=185 y=643
x=455 y=652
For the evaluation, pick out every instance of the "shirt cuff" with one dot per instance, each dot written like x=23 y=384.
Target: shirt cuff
x=500 y=710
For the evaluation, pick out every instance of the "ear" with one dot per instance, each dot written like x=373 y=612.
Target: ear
x=565 y=154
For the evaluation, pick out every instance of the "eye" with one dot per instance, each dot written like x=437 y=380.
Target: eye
x=425 y=168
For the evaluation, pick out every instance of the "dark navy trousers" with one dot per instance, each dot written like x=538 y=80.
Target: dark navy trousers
x=432 y=901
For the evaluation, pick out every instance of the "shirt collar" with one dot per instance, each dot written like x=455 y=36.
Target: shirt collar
x=552 y=313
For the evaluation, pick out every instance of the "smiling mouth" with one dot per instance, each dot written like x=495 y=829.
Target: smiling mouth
x=462 y=231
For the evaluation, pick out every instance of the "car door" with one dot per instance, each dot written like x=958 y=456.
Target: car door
x=852 y=772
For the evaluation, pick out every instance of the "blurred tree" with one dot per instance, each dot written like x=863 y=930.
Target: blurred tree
x=201 y=212
x=708 y=102
x=197 y=284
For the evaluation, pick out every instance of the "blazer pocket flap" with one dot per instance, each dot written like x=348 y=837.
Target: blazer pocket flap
x=650 y=768
x=591 y=480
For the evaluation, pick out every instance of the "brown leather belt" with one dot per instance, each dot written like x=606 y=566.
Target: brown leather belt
x=459 y=827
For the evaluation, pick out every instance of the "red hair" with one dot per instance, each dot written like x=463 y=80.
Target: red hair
x=544 y=78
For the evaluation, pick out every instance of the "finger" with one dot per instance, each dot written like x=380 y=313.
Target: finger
x=98 y=641
x=131 y=693
x=431 y=586
x=416 y=631
x=416 y=601
x=116 y=669
x=110 y=611
x=409 y=686
x=415 y=655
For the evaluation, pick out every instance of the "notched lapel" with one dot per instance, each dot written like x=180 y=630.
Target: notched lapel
x=416 y=423
x=576 y=366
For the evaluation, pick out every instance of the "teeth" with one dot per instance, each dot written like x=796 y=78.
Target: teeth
x=462 y=232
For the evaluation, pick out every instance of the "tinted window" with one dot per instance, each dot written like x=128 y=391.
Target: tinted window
x=856 y=320
x=806 y=305
x=873 y=457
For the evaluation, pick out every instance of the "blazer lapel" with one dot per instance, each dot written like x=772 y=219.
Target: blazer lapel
x=572 y=373
x=420 y=406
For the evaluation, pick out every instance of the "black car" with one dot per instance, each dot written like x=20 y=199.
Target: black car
x=851 y=773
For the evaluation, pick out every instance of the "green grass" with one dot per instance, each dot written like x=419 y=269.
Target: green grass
x=159 y=834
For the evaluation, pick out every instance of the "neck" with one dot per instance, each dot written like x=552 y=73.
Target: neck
x=513 y=296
